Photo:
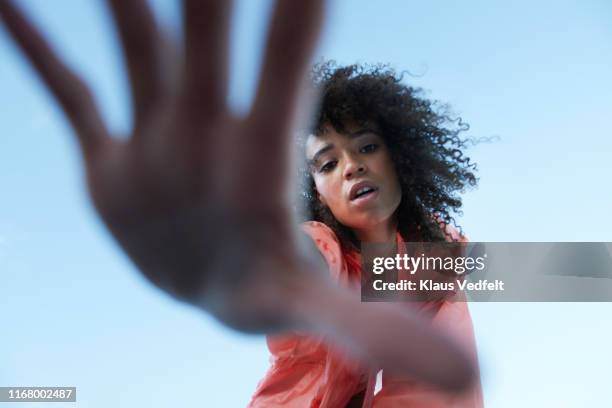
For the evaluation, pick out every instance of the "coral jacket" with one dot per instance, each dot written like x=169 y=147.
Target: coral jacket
x=306 y=372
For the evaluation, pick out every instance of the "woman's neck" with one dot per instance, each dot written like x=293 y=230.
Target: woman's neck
x=384 y=232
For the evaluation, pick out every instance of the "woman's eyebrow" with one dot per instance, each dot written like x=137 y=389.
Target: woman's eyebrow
x=329 y=146
x=319 y=152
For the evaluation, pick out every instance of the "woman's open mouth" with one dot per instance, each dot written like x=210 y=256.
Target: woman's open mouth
x=363 y=195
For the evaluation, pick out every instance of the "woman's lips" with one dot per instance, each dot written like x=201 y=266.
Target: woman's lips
x=365 y=199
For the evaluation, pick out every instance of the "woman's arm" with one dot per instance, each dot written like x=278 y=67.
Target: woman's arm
x=197 y=197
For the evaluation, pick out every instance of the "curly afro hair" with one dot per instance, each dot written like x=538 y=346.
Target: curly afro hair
x=424 y=141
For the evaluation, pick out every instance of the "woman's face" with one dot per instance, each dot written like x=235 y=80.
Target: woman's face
x=354 y=176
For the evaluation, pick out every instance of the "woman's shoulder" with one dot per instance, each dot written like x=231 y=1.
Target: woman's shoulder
x=327 y=243
x=318 y=230
x=324 y=237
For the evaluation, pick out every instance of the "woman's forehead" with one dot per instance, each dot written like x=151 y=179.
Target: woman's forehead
x=347 y=127
x=330 y=135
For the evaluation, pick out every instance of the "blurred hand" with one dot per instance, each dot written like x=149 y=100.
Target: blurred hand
x=198 y=198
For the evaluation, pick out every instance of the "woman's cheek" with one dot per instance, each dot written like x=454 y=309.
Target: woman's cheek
x=334 y=203
x=325 y=193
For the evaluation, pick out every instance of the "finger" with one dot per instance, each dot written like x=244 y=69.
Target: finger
x=206 y=54
x=291 y=41
x=142 y=48
x=389 y=336
x=71 y=92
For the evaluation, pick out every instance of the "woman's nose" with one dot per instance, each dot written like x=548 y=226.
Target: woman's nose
x=354 y=168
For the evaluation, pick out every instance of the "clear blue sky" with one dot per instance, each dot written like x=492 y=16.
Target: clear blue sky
x=538 y=75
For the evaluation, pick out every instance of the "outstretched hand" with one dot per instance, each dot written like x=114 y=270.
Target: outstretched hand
x=198 y=198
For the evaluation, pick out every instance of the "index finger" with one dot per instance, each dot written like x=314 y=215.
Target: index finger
x=141 y=44
x=206 y=53
x=293 y=35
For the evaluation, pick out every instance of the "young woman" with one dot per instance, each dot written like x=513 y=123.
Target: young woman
x=383 y=165
x=194 y=199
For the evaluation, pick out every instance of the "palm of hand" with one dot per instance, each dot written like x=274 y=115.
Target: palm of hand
x=200 y=237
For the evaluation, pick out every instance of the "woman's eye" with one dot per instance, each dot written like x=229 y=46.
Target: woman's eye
x=329 y=166
x=369 y=148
